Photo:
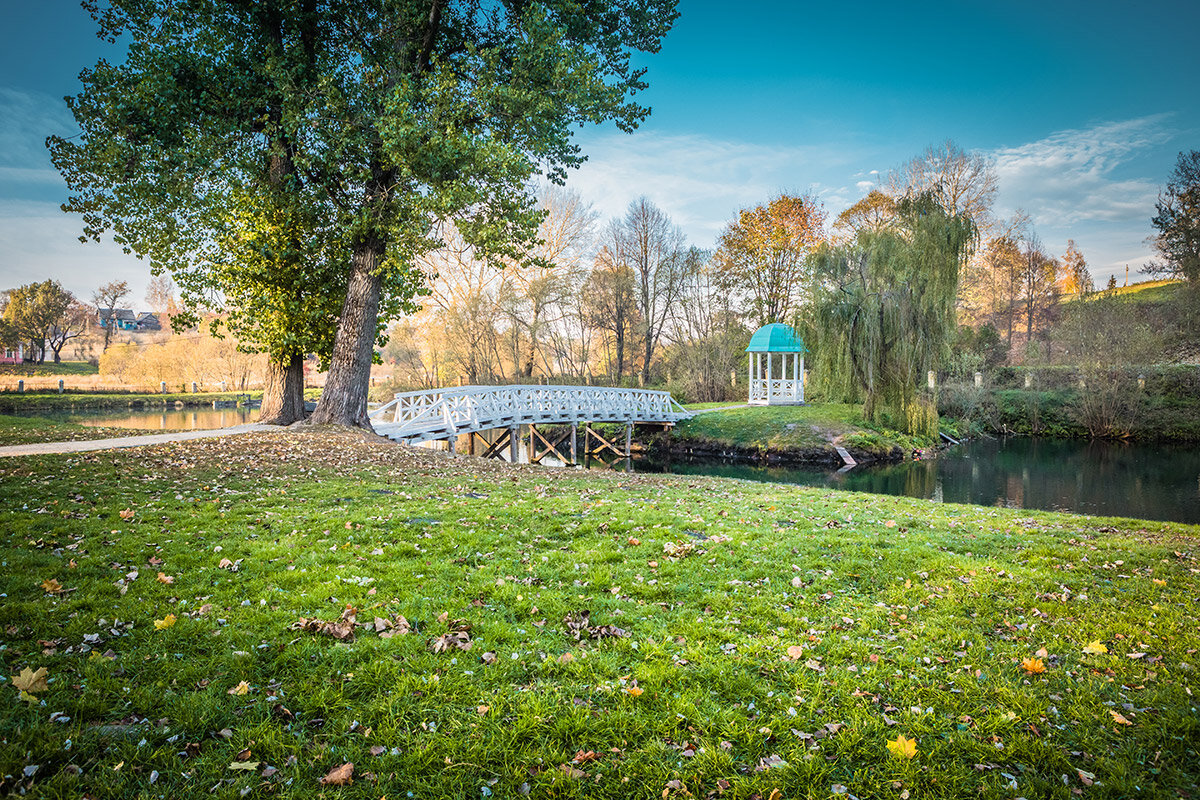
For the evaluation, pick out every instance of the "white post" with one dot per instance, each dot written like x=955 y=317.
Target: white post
x=750 y=377
x=768 y=377
x=801 y=377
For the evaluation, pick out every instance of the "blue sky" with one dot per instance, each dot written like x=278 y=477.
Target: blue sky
x=1084 y=106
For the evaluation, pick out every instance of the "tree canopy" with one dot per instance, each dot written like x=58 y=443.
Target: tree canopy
x=297 y=158
x=885 y=310
x=1178 y=221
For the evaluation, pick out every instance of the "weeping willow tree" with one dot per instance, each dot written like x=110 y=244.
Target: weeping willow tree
x=885 y=311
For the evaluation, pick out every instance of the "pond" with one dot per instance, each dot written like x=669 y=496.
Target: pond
x=159 y=418
x=1145 y=481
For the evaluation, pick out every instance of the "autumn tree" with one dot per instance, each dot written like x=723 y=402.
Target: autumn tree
x=1039 y=286
x=1177 y=221
x=1074 y=276
x=999 y=284
x=106 y=299
x=46 y=315
x=886 y=311
x=875 y=212
x=763 y=255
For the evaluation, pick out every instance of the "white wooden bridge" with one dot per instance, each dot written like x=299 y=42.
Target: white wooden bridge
x=447 y=414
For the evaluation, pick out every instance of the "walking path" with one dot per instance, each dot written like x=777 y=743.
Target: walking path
x=46 y=448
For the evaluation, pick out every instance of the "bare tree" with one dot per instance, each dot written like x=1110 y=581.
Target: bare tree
x=1039 y=289
x=961 y=182
x=71 y=325
x=106 y=299
x=649 y=243
x=610 y=304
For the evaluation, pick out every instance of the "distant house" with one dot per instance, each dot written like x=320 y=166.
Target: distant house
x=12 y=355
x=148 y=322
x=121 y=318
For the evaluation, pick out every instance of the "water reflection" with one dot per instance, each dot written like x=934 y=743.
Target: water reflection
x=159 y=419
x=1147 y=481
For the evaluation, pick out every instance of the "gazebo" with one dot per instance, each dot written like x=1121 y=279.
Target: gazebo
x=772 y=385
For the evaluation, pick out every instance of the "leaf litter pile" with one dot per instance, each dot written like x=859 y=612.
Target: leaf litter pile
x=317 y=613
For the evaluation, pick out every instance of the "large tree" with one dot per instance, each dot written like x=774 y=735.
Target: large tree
x=1177 y=221
x=610 y=304
x=1075 y=277
x=763 y=256
x=886 y=310
x=646 y=241
x=46 y=315
x=328 y=138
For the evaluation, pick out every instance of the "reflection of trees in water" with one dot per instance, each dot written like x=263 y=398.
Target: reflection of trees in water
x=1096 y=477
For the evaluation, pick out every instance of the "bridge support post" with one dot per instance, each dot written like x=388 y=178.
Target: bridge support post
x=628 y=439
x=514 y=444
x=452 y=442
x=574 y=444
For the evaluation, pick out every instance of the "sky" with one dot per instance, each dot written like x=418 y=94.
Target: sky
x=1084 y=106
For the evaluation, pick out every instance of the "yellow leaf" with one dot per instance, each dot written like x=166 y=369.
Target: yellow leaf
x=1119 y=718
x=903 y=747
x=636 y=691
x=165 y=622
x=1034 y=666
x=52 y=586
x=1159 y=582
x=1096 y=648
x=794 y=652
x=240 y=689
x=127 y=514
x=165 y=578
x=30 y=681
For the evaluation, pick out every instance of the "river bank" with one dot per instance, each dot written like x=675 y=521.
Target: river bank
x=543 y=630
x=54 y=401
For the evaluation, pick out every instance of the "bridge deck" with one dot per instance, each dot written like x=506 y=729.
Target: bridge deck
x=443 y=413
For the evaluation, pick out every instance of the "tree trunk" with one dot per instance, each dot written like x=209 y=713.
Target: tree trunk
x=344 y=399
x=283 y=391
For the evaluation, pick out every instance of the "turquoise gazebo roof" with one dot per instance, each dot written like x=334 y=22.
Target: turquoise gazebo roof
x=776 y=338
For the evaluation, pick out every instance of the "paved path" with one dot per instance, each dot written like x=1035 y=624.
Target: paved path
x=45 y=448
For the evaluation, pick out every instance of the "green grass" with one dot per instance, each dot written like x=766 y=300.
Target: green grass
x=913 y=619
x=50 y=369
x=31 y=430
x=790 y=428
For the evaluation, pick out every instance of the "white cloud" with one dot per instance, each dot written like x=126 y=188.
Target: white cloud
x=700 y=182
x=1069 y=176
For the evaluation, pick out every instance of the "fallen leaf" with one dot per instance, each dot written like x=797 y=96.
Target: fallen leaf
x=240 y=689
x=571 y=771
x=165 y=622
x=126 y=514
x=1118 y=717
x=1033 y=666
x=903 y=747
x=636 y=691
x=162 y=578
x=247 y=766
x=339 y=776
x=481 y=710
x=31 y=681
x=225 y=563
x=794 y=652
x=1096 y=648
x=52 y=586
x=566 y=658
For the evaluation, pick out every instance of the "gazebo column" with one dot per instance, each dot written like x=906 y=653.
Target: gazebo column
x=768 y=377
x=800 y=378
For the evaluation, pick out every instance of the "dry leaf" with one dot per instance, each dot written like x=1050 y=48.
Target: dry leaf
x=246 y=766
x=225 y=563
x=339 y=776
x=571 y=771
x=636 y=691
x=903 y=747
x=31 y=681
x=1096 y=648
x=165 y=578
x=1118 y=717
x=566 y=658
x=481 y=710
x=126 y=514
x=794 y=652
x=240 y=689
x=1033 y=666
x=52 y=586
x=165 y=622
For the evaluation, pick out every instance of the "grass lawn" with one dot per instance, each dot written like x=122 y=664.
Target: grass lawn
x=50 y=369
x=31 y=430
x=191 y=607
x=791 y=427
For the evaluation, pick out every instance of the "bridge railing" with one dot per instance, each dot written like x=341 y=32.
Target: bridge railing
x=467 y=408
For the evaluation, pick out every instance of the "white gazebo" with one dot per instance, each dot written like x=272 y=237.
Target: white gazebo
x=776 y=366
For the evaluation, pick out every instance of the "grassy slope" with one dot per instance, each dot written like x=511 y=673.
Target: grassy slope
x=29 y=430
x=789 y=427
x=912 y=617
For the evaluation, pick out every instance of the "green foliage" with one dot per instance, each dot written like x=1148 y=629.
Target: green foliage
x=35 y=311
x=885 y=309
x=1178 y=220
